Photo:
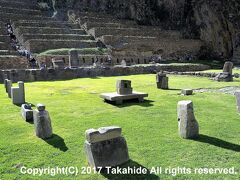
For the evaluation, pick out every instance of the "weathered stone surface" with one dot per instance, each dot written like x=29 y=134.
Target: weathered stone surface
x=58 y=64
x=42 y=123
x=187 y=124
x=162 y=81
x=41 y=107
x=224 y=76
x=73 y=59
x=102 y=134
x=237 y=94
x=27 y=112
x=18 y=94
x=228 y=66
x=5 y=84
x=118 y=98
x=187 y=92
x=108 y=150
x=9 y=86
x=124 y=87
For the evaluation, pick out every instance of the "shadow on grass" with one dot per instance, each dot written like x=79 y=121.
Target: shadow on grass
x=132 y=102
x=130 y=164
x=57 y=142
x=218 y=142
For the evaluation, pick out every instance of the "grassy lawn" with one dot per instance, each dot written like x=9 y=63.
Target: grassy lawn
x=150 y=128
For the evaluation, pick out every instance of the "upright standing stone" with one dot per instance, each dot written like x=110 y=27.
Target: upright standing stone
x=226 y=75
x=124 y=87
x=5 y=84
x=73 y=59
x=18 y=94
x=187 y=124
x=228 y=66
x=42 y=122
x=162 y=81
x=106 y=147
x=9 y=86
x=27 y=112
x=237 y=94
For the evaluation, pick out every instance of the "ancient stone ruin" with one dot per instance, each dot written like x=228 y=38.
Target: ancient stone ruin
x=187 y=124
x=237 y=94
x=226 y=75
x=162 y=80
x=42 y=122
x=186 y=92
x=8 y=87
x=105 y=147
x=124 y=92
x=27 y=112
x=18 y=94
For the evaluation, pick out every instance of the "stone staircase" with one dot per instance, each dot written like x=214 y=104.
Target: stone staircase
x=37 y=32
x=131 y=41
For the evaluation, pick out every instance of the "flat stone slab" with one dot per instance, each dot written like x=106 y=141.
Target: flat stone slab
x=187 y=92
x=119 y=98
x=102 y=134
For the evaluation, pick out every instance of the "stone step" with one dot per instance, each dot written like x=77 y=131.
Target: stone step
x=34 y=30
x=90 y=25
x=93 y=14
x=6 y=17
x=8 y=52
x=99 y=20
x=38 y=46
x=19 y=11
x=4 y=38
x=24 y=37
x=4 y=45
x=52 y=24
x=98 y=32
x=18 y=4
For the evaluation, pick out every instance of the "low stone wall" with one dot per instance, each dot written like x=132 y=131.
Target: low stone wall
x=13 y=62
x=67 y=74
x=200 y=74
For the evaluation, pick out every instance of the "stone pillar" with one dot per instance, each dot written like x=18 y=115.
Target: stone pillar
x=228 y=66
x=42 y=122
x=162 y=81
x=18 y=94
x=124 y=87
x=187 y=124
x=9 y=86
x=106 y=147
x=237 y=94
x=5 y=84
x=74 y=59
x=27 y=112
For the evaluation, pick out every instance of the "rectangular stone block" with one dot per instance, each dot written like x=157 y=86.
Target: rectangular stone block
x=124 y=87
x=9 y=86
x=27 y=112
x=18 y=94
x=187 y=124
x=102 y=134
x=58 y=64
x=186 y=92
x=237 y=94
x=111 y=152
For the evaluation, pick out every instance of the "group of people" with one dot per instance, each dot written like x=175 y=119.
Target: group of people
x=19 y=48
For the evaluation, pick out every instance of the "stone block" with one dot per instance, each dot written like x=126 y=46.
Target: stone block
x=187 y=125
x=5 y=84
x=9 y=86
x=224 y=76
x=237 y=94
x=102 y=134
x=109 y=150
x=124 y=87
x=18 y=94
x=228 y=66
x=27 y=112
x=42 y=122
x=73 y=59
x=162 y=81
x=187 y=92
x=58 y=64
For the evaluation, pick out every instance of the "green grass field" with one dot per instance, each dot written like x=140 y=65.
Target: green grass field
x=150 y=128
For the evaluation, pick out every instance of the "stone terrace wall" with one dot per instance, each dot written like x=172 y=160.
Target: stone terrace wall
x=67 y=74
